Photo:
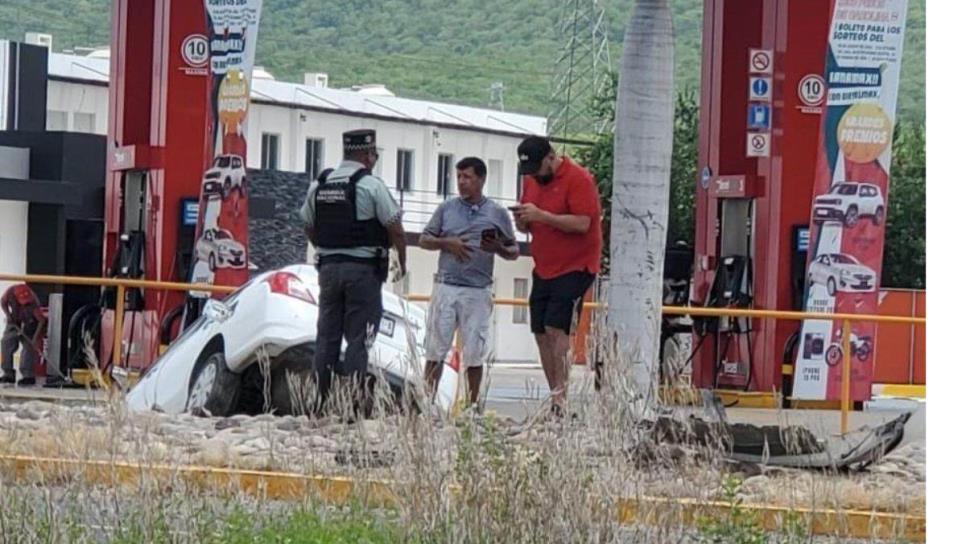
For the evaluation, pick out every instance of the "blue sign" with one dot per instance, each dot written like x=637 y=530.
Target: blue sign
x=760 y=87
x=189 y=212
x=802 y=239
x=759 y=116
x=705 y=177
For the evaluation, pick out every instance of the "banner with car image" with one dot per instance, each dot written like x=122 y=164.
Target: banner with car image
x=851 y=191
x=221 y=236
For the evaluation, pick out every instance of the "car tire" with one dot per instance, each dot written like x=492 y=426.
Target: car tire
x=879 y=216
x=226 y=188
x=296 y=364
x=851 y=216
x=211 y=262
x=830 y=285
x=214 y=387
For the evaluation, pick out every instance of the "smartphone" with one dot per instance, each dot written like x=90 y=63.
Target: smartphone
x=489 y=234
x=515 y=208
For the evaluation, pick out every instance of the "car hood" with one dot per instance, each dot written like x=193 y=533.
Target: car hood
x=230 y=245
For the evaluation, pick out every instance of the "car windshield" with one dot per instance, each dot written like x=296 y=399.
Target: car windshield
x=223 y=162
x=844 y=259
x=223 y=235
x=845 y=189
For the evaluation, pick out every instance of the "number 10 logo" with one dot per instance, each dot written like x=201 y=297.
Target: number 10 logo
x=811 y=90
x=194 y=50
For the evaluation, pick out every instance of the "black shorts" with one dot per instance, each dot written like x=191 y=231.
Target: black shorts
x=553 y=301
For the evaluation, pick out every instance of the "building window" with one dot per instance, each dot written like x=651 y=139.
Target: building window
x=377 y=170
x=444 y=174
x=83 y=122
x=314 y=156
x=269 y=151
x=520 y=289
x=56 y=120
x=404 y=170
x=494 y=178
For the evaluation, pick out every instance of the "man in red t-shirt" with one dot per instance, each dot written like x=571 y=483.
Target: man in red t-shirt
x=560 y=208
x=25 y=327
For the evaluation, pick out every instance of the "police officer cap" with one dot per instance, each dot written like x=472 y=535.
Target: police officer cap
x=356 y=140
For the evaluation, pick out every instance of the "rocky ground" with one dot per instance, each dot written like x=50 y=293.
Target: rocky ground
x=392 y=446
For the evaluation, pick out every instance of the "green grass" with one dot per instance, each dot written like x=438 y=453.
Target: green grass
x=300 y=526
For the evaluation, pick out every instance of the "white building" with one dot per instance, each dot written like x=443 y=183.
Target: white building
x=298 y=128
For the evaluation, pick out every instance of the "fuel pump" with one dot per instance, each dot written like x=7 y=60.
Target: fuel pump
x=732 y=288
x=128 y=262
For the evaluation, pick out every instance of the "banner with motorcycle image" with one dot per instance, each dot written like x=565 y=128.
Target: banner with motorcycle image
x=221 y=236
x=851 y=192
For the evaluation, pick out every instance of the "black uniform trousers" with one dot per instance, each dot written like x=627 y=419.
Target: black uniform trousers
x=350 y=306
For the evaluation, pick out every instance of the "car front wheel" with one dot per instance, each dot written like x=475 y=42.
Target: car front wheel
x=851 y=216
x=214 y=388
x=831 y=287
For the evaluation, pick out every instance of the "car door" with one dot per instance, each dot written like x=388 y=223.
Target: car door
x=823 y=269
x=867 y=200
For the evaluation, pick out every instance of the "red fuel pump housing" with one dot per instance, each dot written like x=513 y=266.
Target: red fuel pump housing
x=158 y=148
x=750 y=206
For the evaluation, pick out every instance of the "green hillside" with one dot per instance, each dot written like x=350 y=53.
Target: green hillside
x=450 y=50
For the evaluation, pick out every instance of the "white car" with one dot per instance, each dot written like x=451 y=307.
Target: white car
x=219 y=249
x=849 y=201
x=228 y=171
x=214 y=363
x=841 y=272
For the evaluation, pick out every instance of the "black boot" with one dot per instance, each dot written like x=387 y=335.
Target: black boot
x=8 y=378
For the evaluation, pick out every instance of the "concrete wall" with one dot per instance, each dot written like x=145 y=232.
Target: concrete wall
x=14 y=164
x=76 y=107
x=295 y=125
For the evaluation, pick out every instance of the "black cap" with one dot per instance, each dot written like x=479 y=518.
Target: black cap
x=531 y=153
x=356 y=140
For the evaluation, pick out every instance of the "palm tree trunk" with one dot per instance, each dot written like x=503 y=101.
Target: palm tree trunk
x=642 y=172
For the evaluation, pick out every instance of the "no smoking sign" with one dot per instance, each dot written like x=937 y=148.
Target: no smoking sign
x=759 y=144
x=761 y=61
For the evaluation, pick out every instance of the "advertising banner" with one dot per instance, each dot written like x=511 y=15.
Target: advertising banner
x=221 y=236
x=850 y=198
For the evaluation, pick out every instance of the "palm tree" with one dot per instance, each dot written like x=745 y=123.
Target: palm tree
x=642 y=173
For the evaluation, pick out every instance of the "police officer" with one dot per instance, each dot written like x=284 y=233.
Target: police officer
x=351 y=219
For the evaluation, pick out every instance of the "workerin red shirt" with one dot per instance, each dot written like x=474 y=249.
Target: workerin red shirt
x=571 y=192
x=22 y=303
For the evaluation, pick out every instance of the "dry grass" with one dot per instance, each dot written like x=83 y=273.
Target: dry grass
x=468 y=479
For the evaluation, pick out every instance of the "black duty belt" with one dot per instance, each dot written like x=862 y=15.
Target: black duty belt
x=332 y=259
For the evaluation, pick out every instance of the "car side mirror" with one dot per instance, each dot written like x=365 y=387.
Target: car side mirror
x=217 y=310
